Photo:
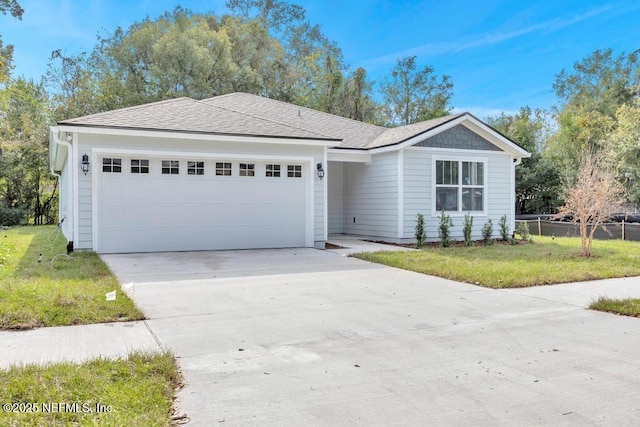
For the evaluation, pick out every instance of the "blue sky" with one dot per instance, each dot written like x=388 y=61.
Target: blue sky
x=501 y=54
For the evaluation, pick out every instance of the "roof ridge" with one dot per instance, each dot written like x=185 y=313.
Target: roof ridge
x=130 y=108
x=331 y=137
x=299 y=106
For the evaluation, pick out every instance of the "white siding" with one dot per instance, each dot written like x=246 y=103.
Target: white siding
x=335 y=184
x=418 y=187
x=371 y=197
x=88 y=142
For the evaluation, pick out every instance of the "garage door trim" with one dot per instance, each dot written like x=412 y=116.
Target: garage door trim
x=307 y=162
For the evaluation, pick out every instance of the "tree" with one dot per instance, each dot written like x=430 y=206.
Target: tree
x=538 y=181
x=592 y=198
x=357 y=101
x=623 y=150
x=412 y=95
x=6 y=52
x=25 y=182
x=600 y=82
x=590 y=96
x=202 y=55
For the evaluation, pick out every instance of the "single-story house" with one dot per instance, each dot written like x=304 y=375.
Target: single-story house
x=241 y=171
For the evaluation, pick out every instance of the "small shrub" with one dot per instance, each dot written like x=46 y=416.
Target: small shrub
x=421 y=234
x=444 y=229
x=487 y=231
x=466 y=230
x=12 y=216
x=504 y=228
x=522 y=230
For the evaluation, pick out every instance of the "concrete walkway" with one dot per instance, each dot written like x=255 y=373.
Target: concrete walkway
x=74 y=343
x=353 y=245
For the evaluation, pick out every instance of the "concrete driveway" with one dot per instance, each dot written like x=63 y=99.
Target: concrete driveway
x=308 y=337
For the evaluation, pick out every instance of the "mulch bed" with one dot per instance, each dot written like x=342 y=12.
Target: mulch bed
x=452 y=244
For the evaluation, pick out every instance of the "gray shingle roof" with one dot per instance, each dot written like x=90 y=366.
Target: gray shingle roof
x=188 y=115
x=251 y=115
x=353 y=134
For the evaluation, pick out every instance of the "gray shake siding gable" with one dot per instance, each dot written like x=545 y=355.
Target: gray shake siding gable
x=458 y=137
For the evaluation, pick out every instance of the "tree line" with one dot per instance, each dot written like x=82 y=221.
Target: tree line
x=270 y=48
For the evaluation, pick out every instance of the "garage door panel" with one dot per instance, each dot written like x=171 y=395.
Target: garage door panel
x=147 y=212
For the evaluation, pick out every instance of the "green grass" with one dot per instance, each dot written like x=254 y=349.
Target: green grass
x=138 y=390
x=626 y=307
x=544 y=262
x=63 y=292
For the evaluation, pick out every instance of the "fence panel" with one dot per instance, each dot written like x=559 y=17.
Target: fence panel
x=569 y=229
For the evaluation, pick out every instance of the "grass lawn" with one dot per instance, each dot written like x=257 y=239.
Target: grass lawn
x=136 y=391
x=626 y=307
x=544 y=262
x=66 y=291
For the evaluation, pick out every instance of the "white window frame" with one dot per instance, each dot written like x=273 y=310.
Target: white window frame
x=272 y=170
x=111 y=165
x=247 y=169
x=141 y=168
x=294 y=171
x=195 y=167
x=169 y=166
x=221 y=168
x=460 y=185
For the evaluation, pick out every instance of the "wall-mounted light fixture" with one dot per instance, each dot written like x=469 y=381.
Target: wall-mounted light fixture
x=85 y=163
x=320 y=170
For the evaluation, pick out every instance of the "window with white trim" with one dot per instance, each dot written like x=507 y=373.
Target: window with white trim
x=247 y=169
x=195 y=168
x=139 y=166
x=223 y=169
x=460 y=186
x=294 y=171
x=273 y=171
x=111 y=165
x=170 y=167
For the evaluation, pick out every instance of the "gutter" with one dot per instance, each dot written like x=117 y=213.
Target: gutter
x=57 y=141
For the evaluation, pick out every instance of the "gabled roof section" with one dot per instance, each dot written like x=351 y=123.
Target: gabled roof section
x=354 y=134
x=401 y=134
x=188 y=115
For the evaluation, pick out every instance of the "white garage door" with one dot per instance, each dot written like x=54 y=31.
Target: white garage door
x=153 y=204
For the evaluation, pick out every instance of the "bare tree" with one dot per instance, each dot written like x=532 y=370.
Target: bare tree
x=592 y=199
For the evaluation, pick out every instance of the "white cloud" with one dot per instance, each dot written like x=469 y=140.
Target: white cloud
x=439 y=48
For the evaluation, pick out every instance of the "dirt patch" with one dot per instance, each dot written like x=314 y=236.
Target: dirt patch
x=332 y=246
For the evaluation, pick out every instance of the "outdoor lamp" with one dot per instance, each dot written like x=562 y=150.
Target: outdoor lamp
x=85 y=163
x=320 y=170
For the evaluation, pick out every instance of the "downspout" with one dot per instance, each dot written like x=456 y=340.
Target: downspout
x=58 y=141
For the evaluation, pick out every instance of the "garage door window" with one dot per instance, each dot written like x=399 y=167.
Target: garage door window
x=111 y=165
x=195 y=168
x=273 y=171
x=223 y=169
x=247 y=169
x=294 y=171
x=139 y=166
x=170 y=167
